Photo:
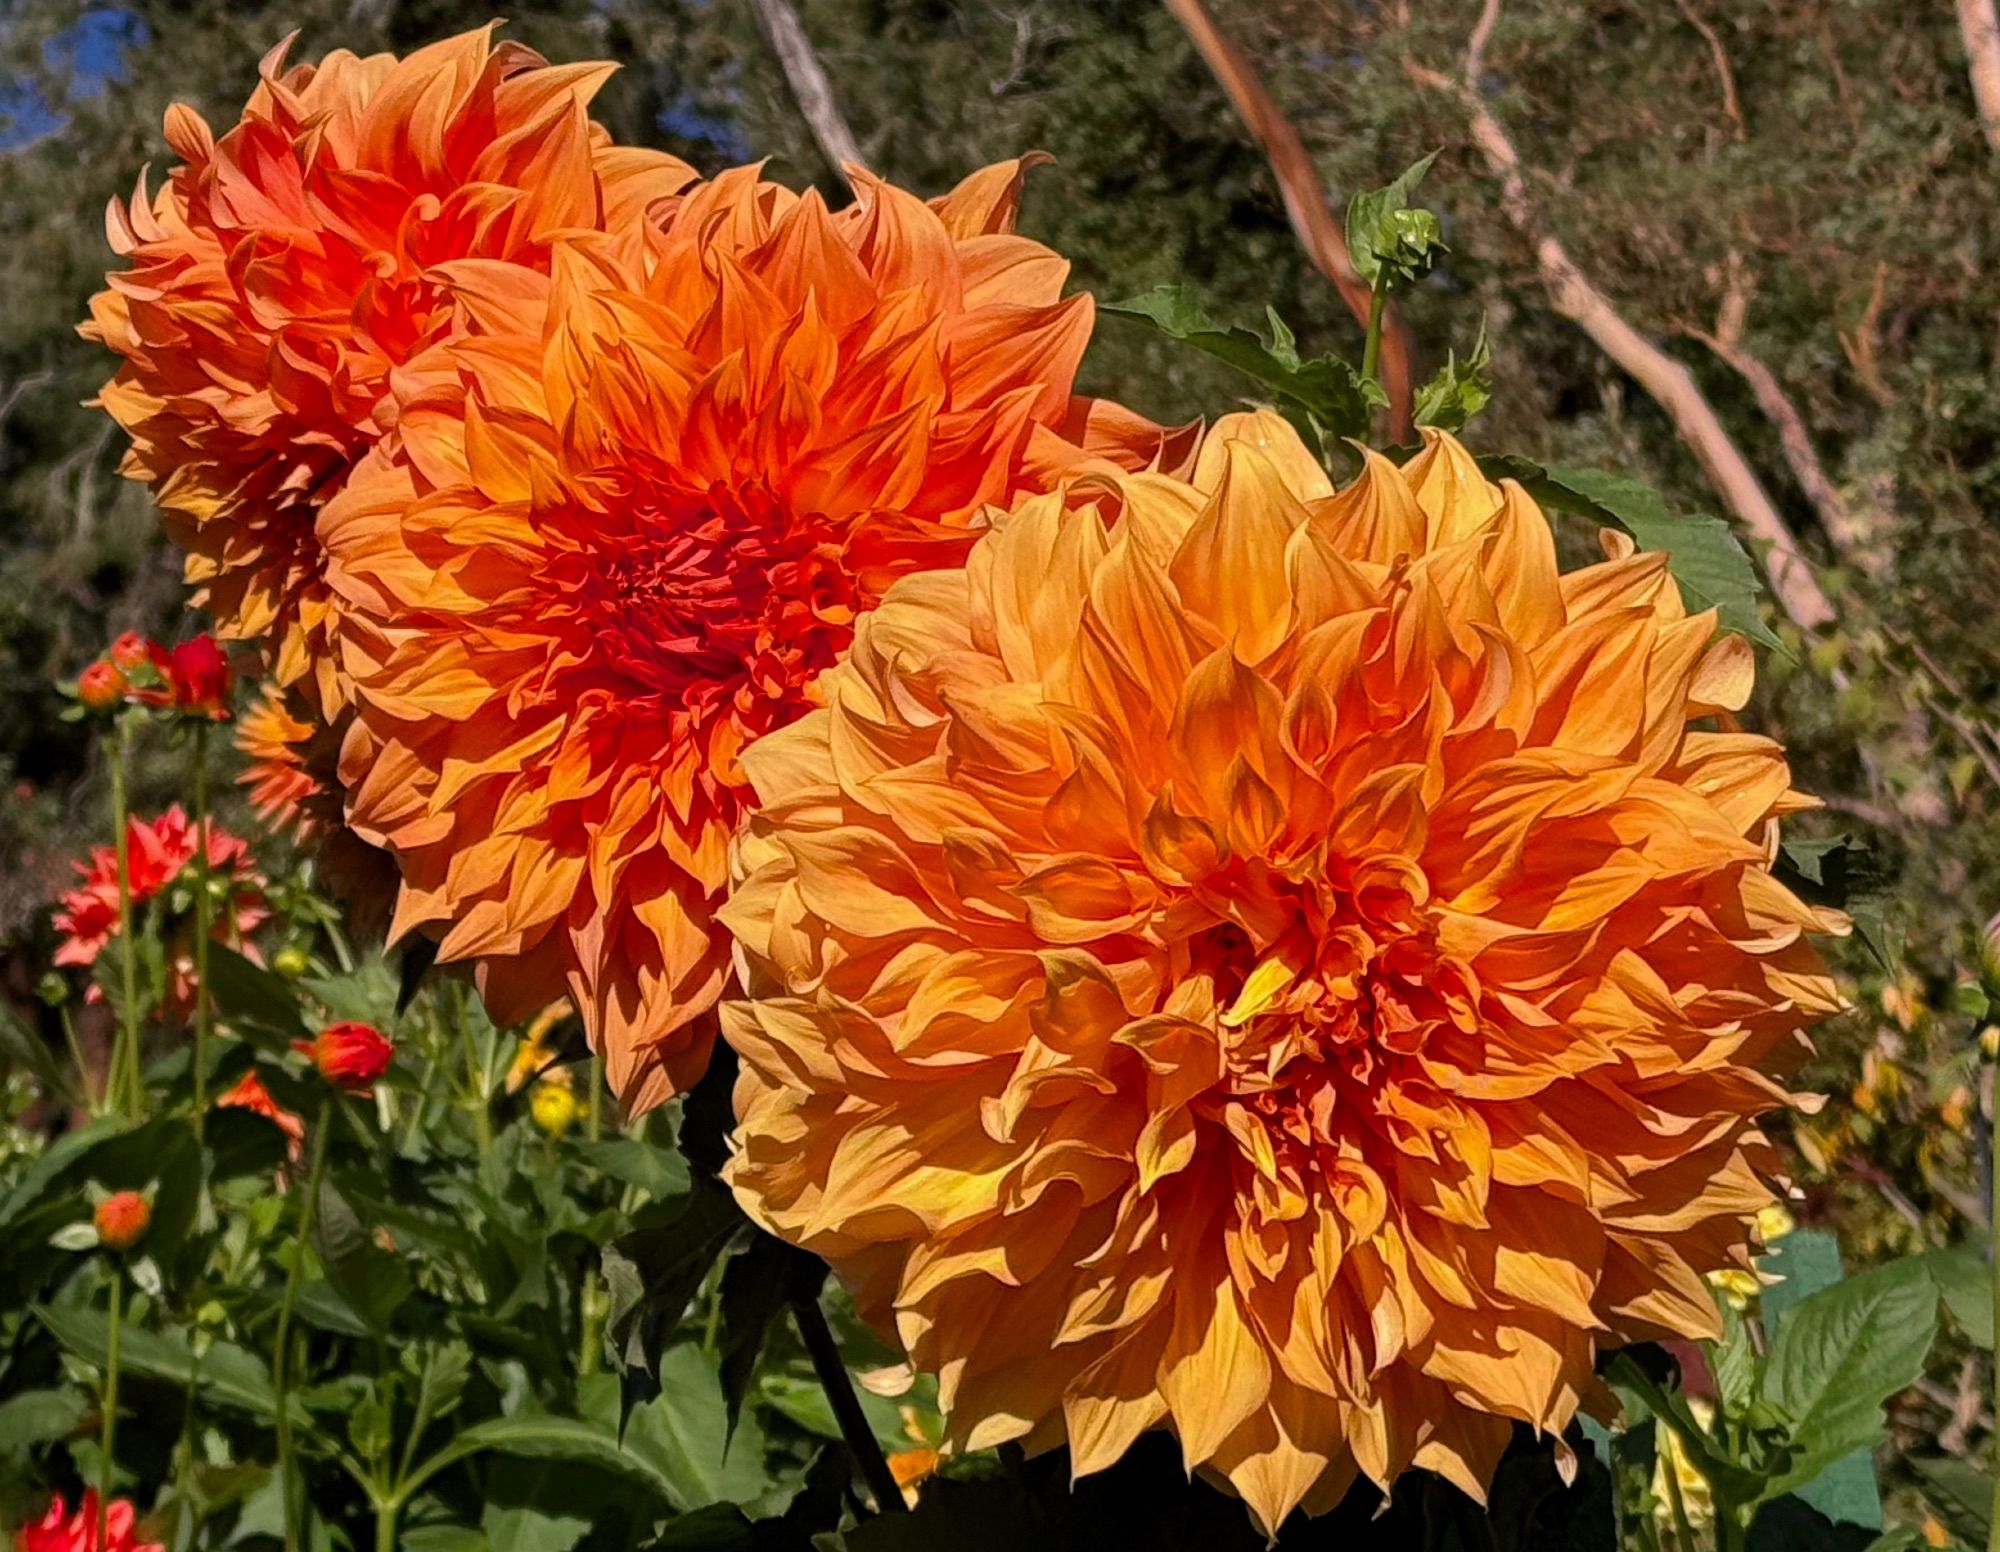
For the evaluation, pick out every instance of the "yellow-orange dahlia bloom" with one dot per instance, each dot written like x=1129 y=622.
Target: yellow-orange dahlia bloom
x=1282 y=965
x=286 y=270
x=633 y=512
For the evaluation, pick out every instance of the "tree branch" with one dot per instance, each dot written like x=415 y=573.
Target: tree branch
x=1979 y=25
x=1670 y=383
x=1732 y=105
x=1306 y=201
x=810 y=86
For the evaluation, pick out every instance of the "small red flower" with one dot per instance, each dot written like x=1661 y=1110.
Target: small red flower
x=102 y=686
x=122 y=1220
x=250 y=1094
x=350 y=1056
x=60 y=1531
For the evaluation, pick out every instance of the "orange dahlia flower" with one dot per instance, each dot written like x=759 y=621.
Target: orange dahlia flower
x=1281 y=965
x=287 y=269
x=635 y=508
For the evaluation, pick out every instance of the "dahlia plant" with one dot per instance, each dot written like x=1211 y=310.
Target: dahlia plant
x=840 y=946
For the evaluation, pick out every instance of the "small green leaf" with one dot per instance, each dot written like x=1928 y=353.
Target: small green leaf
x=1324 y=398
x=226 y=1374
x=653 y=1272
x=511 y=1528
x=1839 y=1355
x=1733 y=1361
x=1387 y=237
x=1458 y=390
x=542 y=1438
x=75 y=1236
x=660 y=1172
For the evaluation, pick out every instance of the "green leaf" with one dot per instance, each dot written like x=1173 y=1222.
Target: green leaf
x=1458 y=390
x=1733 y=1361
x=257 y=1003
x=1324 y=397
x=653 y=1272
x=1711 y=567
x=1964 y=1277
x=1962 y=1495
x=543 y=1438
x=680 y=1434
x=37 y=1416
x=1839 y=1355
x=1841 y=872
x=1670 y=1408
x=226 y=1374
x=370 y=1280
x=521 y=1528
x=1387 y=237
x=660 y=1172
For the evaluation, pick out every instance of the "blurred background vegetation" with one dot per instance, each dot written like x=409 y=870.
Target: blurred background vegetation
x=1780 y=194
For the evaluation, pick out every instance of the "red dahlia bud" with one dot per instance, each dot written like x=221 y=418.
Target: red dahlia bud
x=198 y=676
x=122 y=1220
x=350 y=1056
x=101 y=687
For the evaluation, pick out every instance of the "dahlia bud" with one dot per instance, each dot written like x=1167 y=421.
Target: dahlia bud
x=350 y=1056
x=101 y=687
x=131 y=652
x=199 y=679
x=122 y=1220
x=291 y=961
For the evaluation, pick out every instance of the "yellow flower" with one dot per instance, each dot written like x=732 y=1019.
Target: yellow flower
x=1774 y=1222
x=554 y=1106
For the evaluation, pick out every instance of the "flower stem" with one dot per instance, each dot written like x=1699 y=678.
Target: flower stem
x=123 y=1079
x=202 y=909
x=385 y=1524
x=281 y=1350
x=1371 y=352
x=1993 y=1170
x=854 y=1429
x=108 y=1440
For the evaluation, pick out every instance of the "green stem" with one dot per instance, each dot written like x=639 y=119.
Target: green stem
x=482 y=1108
x=1993 y=1169
x=1371 y=353
x=281 y=1350
x=385 y=1524
x=108 y=1440
x=84 y=1088
x=124 y=1077
x=854 y=1430
x=203 y=907
x=184 y=1514
x=596 y=1095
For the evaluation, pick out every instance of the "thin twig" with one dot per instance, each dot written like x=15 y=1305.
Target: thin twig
x=1732 y=105
x=810 y=86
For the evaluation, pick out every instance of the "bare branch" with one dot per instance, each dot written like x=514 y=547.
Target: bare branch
x=1732 y=105
x=1669 y=382
x=1979 y=25
x=1306 y=200
x=810 y=86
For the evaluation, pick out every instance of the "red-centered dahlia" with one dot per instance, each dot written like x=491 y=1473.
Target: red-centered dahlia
x=1285 y=966
x=633 y=511
x=60 y=1531
x=288 y=268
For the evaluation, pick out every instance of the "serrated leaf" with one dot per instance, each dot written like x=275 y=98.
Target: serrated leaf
x=543 y=1438
x=226 y=1374
x=652 y=1273
x=1711 y=567
x=757 y=1283
x=1325 y=398
x=1838 y=1356
x=660 y=1172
